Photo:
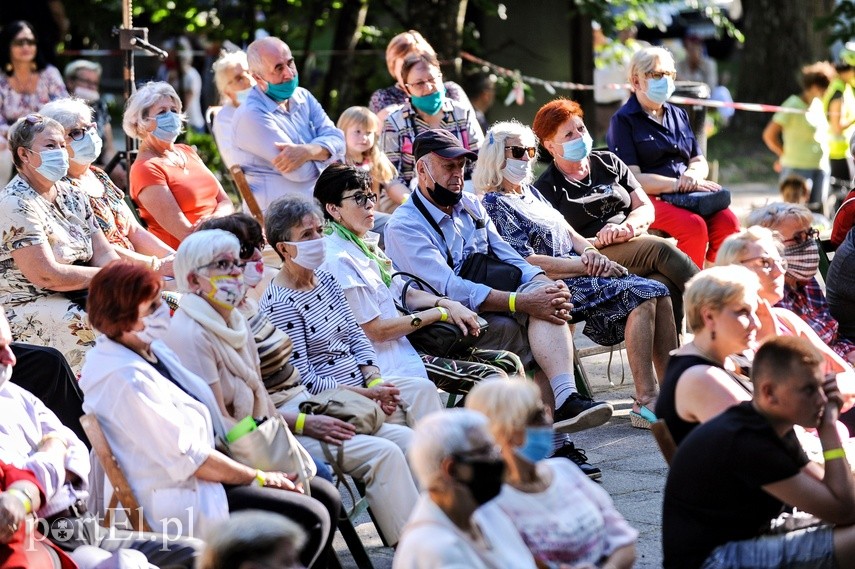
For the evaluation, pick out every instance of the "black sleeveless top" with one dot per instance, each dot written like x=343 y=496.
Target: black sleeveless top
x=666 y=407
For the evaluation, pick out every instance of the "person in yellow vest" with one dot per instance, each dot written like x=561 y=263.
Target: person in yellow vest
x=839 y=102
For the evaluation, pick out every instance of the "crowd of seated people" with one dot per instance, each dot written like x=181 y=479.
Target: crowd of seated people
x=498 y=484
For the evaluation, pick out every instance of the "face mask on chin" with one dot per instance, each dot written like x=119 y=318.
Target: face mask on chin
x=442 y=196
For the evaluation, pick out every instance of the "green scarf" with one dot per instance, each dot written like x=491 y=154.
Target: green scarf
x=373 y=253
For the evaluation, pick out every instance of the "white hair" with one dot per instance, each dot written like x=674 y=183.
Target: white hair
x=491 y=158
x=70 y=71
x=776 y=213
x=199 y=249
x=140 y=102
x=68 y=111
x=645 y=60
x=224 y=64
x=249 y=533
x=442 y=434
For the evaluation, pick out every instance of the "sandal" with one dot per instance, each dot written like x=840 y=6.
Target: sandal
x=642 y=418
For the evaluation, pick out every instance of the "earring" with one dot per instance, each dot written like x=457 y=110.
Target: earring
x=33 y=66
x=712 y=335
x=8 y=69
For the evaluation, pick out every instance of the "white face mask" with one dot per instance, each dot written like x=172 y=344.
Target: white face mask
x=253 y=273
x=88 y=95
x=156 y=324
x=242 y=95
x=87 y=149
x=5 y=374
x=310 y=254
x=515 y=171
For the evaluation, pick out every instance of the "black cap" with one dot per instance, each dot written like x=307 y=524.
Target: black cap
x=442 y=143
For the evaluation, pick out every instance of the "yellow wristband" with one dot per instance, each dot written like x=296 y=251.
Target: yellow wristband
x=512 y=302
x=260 y=478
x=299 y=423
x=834 y=453
x=22 y=496
x=589 y=248
x=375 y=381
x=443 y=312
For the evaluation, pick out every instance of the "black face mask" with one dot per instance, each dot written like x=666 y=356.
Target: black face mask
x=442 y=196
x=486 y=480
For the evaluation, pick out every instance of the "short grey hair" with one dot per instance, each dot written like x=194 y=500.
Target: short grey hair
x=23 y=132
x=140 y=102
x=68 y=111
x=222 y=66
x=70 y=71
x=645 y=60
x=285 y=214
x=508 y=404
x=734 y=247
x=253 y=52
x=199 y=249
x=250 y=535
x=440 y=435
x=776 y=213
x=491 y=158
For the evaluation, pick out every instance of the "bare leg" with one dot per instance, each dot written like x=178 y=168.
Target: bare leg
x=844 y=546
x=665 y=337
x=640 y=332
x=551 y=346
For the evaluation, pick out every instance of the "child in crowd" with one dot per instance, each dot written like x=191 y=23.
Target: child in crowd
x=361 y=129
x=796 y=189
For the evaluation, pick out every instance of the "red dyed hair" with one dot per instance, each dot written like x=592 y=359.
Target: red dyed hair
x=552 y=115
x=115 y=295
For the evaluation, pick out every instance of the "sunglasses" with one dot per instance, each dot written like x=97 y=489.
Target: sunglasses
x=801 y=236
x=35 y=118
x=519 y=151
x=23 y=42
x=361 y=198
x=248 y=249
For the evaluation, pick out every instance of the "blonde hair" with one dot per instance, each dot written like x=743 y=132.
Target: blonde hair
x=775 y=214
x=645 y=60
x=717 y=287
x=404 y=44
x=734 y=246
x=381 y=169
x=491 y=157
x=508 y=404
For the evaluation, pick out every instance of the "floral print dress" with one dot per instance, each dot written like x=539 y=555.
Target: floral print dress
x=110 y=209
x=533 y=227
x=38 y=315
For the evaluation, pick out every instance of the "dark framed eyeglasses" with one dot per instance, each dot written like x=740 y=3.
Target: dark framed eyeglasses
x=224 y=265
x=801 y=236
x=661 y=74
x=361 y=198
x=247 y=249
x=79 y=133
x=23 y=42
x=519 y=151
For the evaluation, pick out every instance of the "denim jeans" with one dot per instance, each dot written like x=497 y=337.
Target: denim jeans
x=809 y=548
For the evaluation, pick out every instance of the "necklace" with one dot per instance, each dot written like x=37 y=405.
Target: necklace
x=24 y=86
x=178 y=159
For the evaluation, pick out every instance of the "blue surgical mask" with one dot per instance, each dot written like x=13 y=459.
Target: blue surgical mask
x=282 y=91
x=537 y=445
x=242 y=95
x=87 y=149
x=577 y=149
x=430 y=104
x=168 y=126
x=660 y=90
x=54 y=164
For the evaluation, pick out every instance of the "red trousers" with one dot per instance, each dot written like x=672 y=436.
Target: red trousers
x=698 y=237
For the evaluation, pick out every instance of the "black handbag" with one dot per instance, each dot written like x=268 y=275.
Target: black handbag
x=702 y=203
x=482 y=268
x=441 y=339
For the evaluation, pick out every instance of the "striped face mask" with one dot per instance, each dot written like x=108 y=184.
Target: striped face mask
x=802 y=260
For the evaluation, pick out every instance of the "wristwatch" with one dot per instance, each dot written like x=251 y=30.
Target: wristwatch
x=415 y=321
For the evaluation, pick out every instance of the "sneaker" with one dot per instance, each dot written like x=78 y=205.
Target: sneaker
x=579 y=413
x=576 y=455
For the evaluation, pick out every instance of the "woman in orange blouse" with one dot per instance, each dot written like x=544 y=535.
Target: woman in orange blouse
x=169 y=182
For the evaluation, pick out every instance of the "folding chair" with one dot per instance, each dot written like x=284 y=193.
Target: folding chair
x=122 y=493
x=663 y=437
x=246 y=193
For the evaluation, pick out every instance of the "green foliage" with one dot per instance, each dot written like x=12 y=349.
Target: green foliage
x=840 y=23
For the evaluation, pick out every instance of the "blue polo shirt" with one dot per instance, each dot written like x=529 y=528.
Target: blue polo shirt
x=656 y=148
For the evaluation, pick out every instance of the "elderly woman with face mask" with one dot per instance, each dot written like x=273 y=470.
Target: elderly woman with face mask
x=802 y=293
x=655 y=139
x=234 y=82
x=170 y=183
x=52 y=245
x=614 y=304
x=129 y=239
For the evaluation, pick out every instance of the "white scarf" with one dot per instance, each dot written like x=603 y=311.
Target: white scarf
x=230 y=342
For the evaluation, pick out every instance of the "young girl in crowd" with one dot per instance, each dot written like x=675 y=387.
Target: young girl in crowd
x=361 y=129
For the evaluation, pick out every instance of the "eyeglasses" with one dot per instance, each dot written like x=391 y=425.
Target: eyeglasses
x=23 y=42
x=248 y=249
x=661 y=74
x=767 y=264
x=86 y=82
x=425 y=86
x=224 y=265
x=361 y=199
x=518 y=151
x=79 y=133
x=801 y=236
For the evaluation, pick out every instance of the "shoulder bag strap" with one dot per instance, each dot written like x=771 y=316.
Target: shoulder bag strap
x=423 y=210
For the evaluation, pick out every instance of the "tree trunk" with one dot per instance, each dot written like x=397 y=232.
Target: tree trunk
x=779 y=39
x=348 y=29
x=441 y=22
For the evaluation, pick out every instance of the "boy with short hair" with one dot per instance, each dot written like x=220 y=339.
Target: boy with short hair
x=732 y=475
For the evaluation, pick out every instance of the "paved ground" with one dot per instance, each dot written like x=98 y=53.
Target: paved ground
x=633 y=469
